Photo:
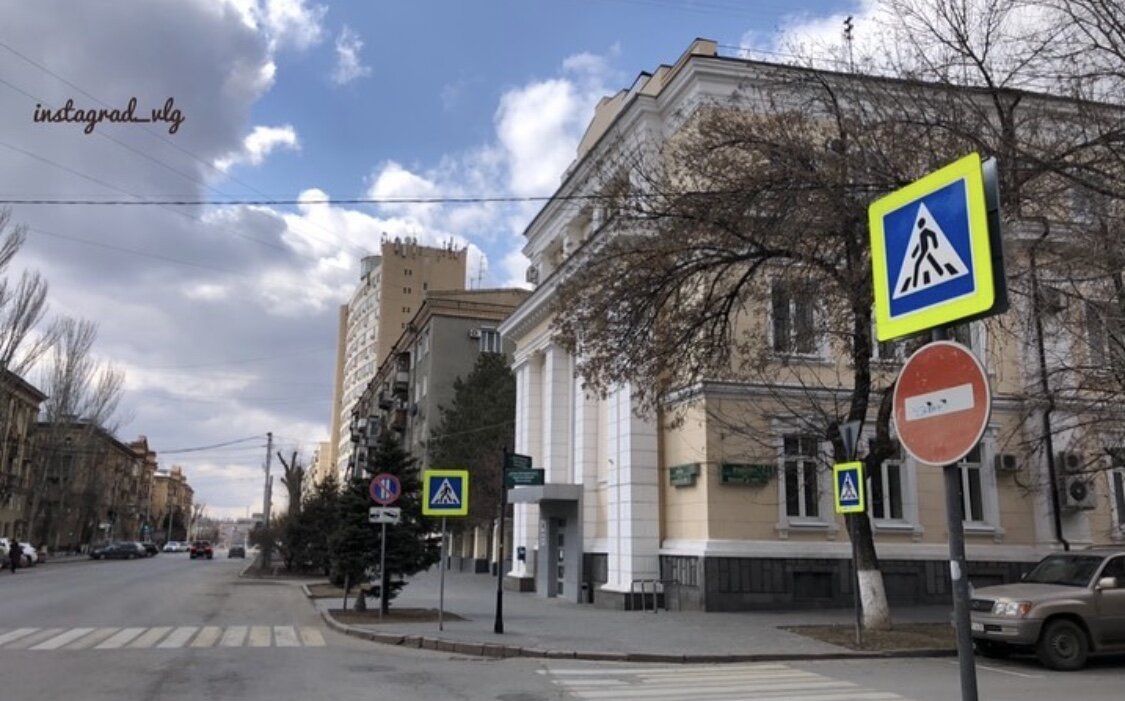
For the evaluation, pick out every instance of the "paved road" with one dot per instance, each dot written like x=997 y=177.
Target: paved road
x=172 y=629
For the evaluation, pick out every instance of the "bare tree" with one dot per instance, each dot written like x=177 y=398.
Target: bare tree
x=81 y=392
x=293 y=479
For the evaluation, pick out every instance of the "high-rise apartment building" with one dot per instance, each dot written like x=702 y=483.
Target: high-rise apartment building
x=392 y=285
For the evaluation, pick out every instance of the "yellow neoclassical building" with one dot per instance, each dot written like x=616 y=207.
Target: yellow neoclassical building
x=723 y=498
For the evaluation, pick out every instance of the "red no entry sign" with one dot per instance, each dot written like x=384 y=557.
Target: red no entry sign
x=941 y=403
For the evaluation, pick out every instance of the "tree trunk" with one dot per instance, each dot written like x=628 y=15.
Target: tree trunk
x=872 y=593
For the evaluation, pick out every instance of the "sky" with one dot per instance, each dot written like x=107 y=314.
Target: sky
x=223 y=316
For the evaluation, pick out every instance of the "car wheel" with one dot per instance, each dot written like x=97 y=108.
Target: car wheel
x=992 y=649
x=1063 y=646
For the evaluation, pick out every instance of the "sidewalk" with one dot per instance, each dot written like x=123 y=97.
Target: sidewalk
x=540 y=627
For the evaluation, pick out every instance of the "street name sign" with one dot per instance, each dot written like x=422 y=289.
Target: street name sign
x=516 y=461
x=942 y=403
x=384 y=514
x=932 y=257
x=524 y=478
x=445 y=493
x=385 y=489
x=849 y=488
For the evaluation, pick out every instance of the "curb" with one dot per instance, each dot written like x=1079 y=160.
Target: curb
x=501 y=651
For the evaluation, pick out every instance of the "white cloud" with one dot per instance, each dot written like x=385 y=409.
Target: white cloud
x=348 y=64
x=287 y=23
x=258 y=144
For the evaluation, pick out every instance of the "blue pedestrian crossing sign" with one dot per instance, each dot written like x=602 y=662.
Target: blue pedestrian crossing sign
x=847 y=478
x=445 y=492
x=931 y=251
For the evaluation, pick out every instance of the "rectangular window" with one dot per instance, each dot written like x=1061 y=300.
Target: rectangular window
x=1117 y=478
x=793 y=319
x=1105 y=336
x=886 y=488
x=490 y=341
x=972 y=500
x=802 y=487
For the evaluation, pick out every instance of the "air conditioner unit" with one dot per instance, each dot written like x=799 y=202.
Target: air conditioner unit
x=1068 y=463
x=474 y=333
x=532 y=275
x=1006 y=462
x=1078 y=493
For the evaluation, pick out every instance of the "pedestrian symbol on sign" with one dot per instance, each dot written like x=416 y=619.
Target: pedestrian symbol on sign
x=445 y=496
x=848 y=491
x=930 y=257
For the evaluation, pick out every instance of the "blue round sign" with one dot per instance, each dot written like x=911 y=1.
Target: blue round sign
x=385 y=489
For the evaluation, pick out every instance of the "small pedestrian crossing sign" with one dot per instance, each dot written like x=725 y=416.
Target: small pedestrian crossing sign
x=445 y=493
x=849 y=487
x=931 y=251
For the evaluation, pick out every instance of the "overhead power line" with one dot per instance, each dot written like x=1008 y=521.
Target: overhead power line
x=196 y=449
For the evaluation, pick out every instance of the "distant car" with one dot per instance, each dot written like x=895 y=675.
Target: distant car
x=5 y=549
x=172 y=547
x=1072 y=604
x=202 y=548
x=236 y=551
x=30 y=555
x=119 y=551
x=150 y=548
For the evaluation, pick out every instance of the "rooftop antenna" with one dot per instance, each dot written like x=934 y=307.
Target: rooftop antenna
x=480 y=272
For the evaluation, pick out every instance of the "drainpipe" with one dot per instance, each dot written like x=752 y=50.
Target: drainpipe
x=1045 y=386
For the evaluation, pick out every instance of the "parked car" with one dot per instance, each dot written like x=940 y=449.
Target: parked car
x=237 y=551
x=1070 y=605
x=202 y=548
x=119 y=551
x=30 y=555
x=150 y=548
x=5 y=548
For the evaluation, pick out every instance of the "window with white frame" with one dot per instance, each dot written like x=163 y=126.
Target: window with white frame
x=973 y=487
x=793 y=319
x=490 y=341
x=800 y=476
x=887 y=480
x=1117 y=485
x=1105 y=335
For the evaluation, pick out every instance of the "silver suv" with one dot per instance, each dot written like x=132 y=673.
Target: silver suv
x=1071 y=605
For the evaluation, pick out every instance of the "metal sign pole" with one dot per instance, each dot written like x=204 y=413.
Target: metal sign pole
x=383 y=580
x=441 y=589
x=958 y=572
x=498 y=624
x=857 y=599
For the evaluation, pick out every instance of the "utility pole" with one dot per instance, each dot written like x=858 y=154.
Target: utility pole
x=266 y=503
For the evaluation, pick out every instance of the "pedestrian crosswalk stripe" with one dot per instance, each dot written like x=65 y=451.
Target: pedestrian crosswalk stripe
x=159 y=637
x=207 y=636
x=260 y=636
x=178 y=637
x=62 y=639
x=234 y=637
x=151 y=637
x=122 y=638
x=311 y=637
x=16 y=634
x=285 y=636
x=88 y=641
x=34 y=639
x=778 y=682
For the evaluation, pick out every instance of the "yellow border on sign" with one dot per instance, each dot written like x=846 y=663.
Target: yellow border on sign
x=857 y=468
x=463 y=510
x=984 y=296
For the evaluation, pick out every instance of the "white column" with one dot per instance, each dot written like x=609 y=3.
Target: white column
x=585 y=462
x=525 y=519
x=556 y=397
x=634 y=527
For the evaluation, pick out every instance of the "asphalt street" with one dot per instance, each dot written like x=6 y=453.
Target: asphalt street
x=171 y=628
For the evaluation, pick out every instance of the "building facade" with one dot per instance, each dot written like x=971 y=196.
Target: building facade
x=19 y=408
x=171 y=506
x=392 y=285
x=730 y=506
